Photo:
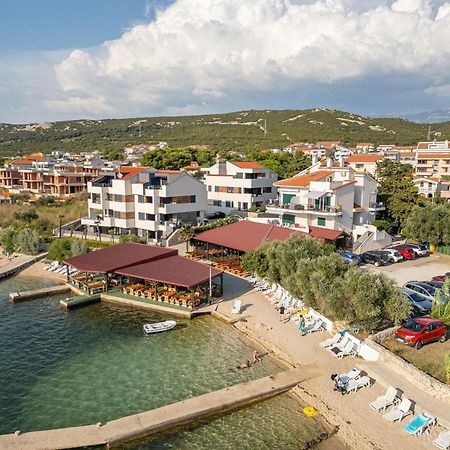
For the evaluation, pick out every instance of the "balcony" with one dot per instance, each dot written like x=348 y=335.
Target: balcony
x=377 y=206
x=298 y=209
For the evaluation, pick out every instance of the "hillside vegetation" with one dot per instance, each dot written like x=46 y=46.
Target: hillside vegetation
x=238 y=131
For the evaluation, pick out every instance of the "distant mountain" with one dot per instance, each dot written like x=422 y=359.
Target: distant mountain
x=434 y=116
x=242 y=130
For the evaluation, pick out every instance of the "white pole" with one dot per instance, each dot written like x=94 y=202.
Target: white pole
x=210 y=282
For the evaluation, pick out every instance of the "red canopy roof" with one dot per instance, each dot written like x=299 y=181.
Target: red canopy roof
x=118 y=256
x=175 y=270
x=245 y=235
x=325 y=233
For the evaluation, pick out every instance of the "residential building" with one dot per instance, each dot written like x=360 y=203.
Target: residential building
x=432 y=159
x=364 y=163
x=336 y=198
x=365 y=147
x=239 y=186
x=431 y=186
x=148 y=202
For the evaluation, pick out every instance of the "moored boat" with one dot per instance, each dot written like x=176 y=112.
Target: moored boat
x=167 y=325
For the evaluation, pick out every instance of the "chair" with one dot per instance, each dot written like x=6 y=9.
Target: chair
x=348 y=350
x=237 y=306
x=399 y=412
x=331 y=342
x=420 y=424
x=354 y=384
x=340 y=345
x=443 y=440
x=317 y=325
x=392 y=397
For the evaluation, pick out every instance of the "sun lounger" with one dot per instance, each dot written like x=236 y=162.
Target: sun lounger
x=420 y=424
x=340 y=345
x=52 y=266
x=443 y=440
x=331 y=342
x=354 y=384
x=237 y=307
x=317 y=325
x=348 y=350
x=400 y=411
x=392 y=397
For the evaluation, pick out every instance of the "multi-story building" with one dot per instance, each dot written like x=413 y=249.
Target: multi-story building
x=430 y=187
x=43 y=175
x=141 y=200
x=239 y=186
x=334 y=197
x=433 y=159
x=364 y=163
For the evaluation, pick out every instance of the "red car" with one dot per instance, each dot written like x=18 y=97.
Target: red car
x=406 y=252
x=441 y=277
x=420 y=331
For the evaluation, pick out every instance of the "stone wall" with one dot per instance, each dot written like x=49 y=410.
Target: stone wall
x=411 y=373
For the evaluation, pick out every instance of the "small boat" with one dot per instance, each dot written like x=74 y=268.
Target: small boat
x=151 y=328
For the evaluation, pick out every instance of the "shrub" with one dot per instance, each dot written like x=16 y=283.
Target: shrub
x=78 y=247
x=26 y=216
x=7 y=239
x=27 y=241
x=383 y=225
x=130 y=238
x=59 y=249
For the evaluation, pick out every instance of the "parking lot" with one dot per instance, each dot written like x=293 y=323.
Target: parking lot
x=420 y=269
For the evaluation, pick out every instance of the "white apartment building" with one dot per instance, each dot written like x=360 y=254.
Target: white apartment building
x=336 y=198
x=364 y=163
x=430 y=187
x=433 y=159
x=239 y=186
x=148 y=202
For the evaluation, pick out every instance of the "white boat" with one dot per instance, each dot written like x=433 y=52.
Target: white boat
x=151 y=328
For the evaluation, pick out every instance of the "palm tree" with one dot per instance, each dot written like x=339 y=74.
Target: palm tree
x=187 y=232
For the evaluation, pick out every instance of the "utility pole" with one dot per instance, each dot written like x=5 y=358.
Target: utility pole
x=429 y=133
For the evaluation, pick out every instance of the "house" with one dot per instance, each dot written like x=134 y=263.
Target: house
x=239 y=186
x=364 y=163
x=432 y=159
x=429 y=187
x=148 y=202
x=335 y=197
x=365 y=147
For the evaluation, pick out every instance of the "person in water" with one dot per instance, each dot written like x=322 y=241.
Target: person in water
x=301 y=325
x=256 y=357
x=244 y=365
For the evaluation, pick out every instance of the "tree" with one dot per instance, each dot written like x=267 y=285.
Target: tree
x=116 y=154
x=112 y=233
x=78 y=247
x=130 y=237
x=27 y=241
x=383 y=225
x=441 y=302
x=187 y=232
x=7 y=239
x=59 y=249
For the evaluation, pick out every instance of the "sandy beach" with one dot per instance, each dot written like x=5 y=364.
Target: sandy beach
x=38 y=270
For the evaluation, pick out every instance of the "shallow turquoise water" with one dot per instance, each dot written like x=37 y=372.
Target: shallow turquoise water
x=95 y=364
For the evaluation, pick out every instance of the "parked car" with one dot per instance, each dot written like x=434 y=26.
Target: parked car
x=441 y=277
x=350 y=257
x=376 y=258
x=421 y=304
x=394 y=255
x=418 y=249
x=406 y=252
x=216 y=215
x=422 y=288
x=420 y=331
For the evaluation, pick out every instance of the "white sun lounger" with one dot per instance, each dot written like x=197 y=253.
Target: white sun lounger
x=340 y=345
x=400 y=411
x=237 y=306
x=348 y=350
x=315 y=326
x=392 y=397
x=443 y=440
x=53 y=265
x=331 y=342
x=354 y=384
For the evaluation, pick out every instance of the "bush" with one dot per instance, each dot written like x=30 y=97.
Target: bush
x=217 y=223
x=78 y=247
x=130 y=238
x=383 y=225
x=59 y=250
x=27 y=241
x=26 y=216
x=441 y=307
x=7 y=239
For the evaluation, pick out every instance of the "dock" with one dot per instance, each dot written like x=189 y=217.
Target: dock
x=19 y=263
x=160 y=419
x=15 y=297
x=79 y=300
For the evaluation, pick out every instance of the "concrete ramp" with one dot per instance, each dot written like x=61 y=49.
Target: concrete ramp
x=160 y=419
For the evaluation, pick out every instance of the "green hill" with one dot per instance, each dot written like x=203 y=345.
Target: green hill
x=242 y=130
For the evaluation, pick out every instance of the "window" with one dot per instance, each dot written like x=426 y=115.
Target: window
x=209 y=188
x=141 y=216
x=109 y=197
x=117 y=198
x=267 y=190
x=321 y=221
x=96 y=198
x=239 y=175
x=140 y=198
x=288 y=219
x=245 y=206
x=287 y=198
x=116 y=214
x=360 y=166
x=229 y=190
x=216 y=188
x=148 y=199
x=228 y=204
x=217 y=203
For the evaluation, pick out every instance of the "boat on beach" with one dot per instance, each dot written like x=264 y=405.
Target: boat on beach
x=167 y=325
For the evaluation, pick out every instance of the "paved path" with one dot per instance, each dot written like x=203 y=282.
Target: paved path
x=13 y=264
x=358 y=424
x=160 y=419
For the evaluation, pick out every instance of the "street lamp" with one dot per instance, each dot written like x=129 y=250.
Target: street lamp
x=61 y=217
x=97 y=222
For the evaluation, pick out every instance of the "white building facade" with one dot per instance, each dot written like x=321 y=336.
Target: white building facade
x=240 y=186
x=148 y=202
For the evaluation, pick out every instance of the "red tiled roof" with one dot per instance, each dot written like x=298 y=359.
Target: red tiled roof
x=245 y=235
x=168 y=172
x=364 y=158
x=304 y=180
x=325 y=233
x=128 y=172
x=424 y=145
x=118 y=256
x=433 y=155
x=247 y=165
x=175 y=270
x=343 y=185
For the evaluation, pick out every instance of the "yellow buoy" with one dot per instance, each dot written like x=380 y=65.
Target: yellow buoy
x=310 y=411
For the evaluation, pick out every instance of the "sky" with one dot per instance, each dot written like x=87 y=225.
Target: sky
x=72 y=59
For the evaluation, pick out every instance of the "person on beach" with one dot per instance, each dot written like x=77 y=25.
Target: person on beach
x=281 y=311
x=256 y=357
x=244 y=365
x=301 y=325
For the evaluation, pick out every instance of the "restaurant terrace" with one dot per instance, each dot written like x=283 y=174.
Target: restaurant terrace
x=148 y=273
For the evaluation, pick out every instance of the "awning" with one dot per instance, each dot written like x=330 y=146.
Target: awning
x=315 y=194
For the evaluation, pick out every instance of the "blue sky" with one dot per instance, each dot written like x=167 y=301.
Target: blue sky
x=69 y=59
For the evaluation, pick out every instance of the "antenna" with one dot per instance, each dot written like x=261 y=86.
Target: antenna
x=429 y=133
x=265 y=125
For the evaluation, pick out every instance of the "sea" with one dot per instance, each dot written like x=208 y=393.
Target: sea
x=66 y=368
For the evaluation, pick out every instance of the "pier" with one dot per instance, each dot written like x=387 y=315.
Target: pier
x=160 y=419
x=15 y=297
x=79 y=300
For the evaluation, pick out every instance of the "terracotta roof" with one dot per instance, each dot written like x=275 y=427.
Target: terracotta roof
x=325 y=233
x=117 y=257
x=175 y=270
x=22 y=161
x=36 y=157
x=168 y=172
x=304 y=180
x=425 y=145
x=247 y=165
x=128 y=172
x=245 y=235
x=433 y=155
x=364 y=158
x=343 y=185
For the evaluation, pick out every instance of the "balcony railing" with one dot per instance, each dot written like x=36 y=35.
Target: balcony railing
x=377 y=206
x=310 y=208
